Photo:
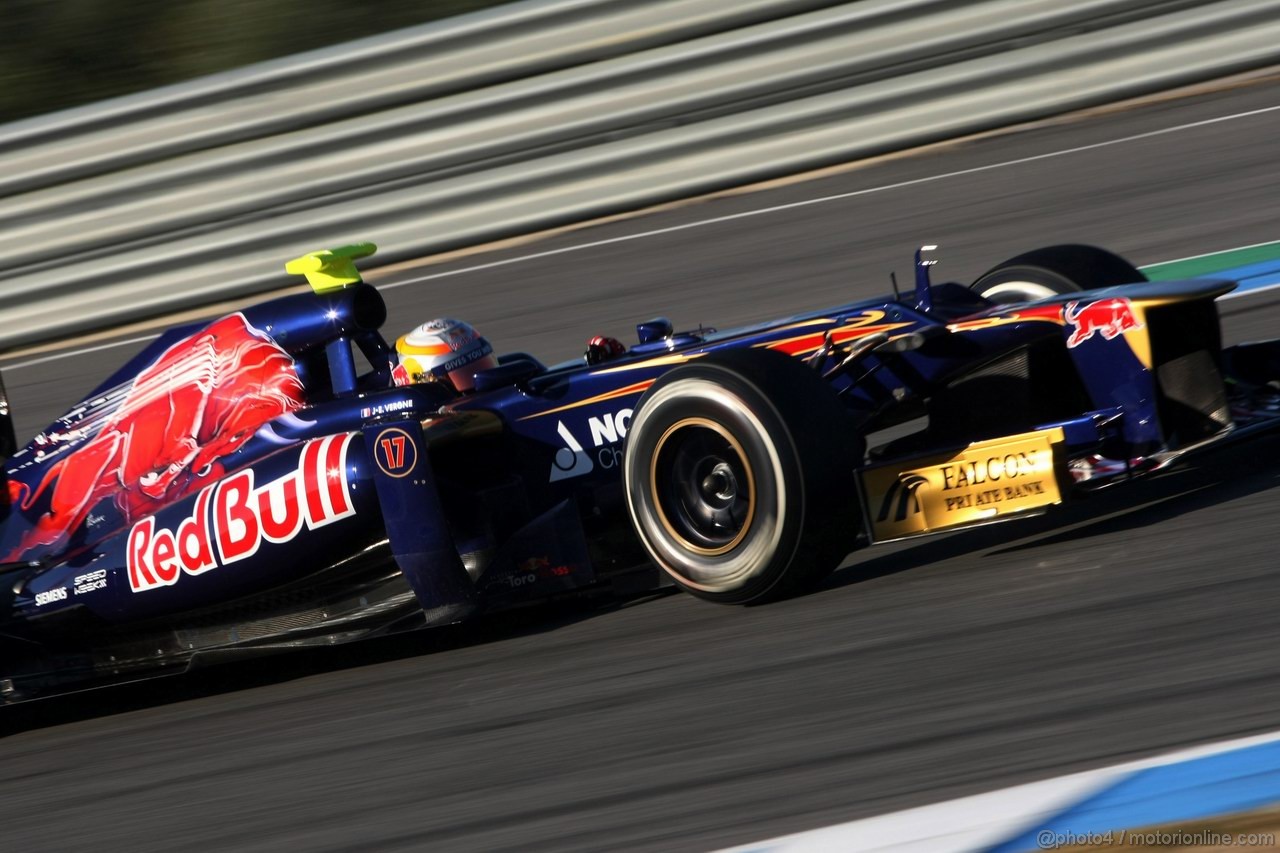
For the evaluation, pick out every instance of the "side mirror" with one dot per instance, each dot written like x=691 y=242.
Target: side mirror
x=652 y=331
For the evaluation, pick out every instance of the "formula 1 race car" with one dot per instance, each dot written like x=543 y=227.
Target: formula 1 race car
x=241 y=486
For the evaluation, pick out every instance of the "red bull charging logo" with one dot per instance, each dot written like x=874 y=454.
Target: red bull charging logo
x=1107 y=317
x=202 y=399
x=231 y=519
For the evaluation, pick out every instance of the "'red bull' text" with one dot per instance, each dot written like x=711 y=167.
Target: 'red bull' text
x=232 y=518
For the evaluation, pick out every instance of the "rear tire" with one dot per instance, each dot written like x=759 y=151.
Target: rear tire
x=1052 y=271
x=739 y=476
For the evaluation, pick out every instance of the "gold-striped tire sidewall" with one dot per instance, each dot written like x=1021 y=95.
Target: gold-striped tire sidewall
x=722 y=570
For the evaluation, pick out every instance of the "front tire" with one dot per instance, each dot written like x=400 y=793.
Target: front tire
x=738 y=475
x=1052 y=271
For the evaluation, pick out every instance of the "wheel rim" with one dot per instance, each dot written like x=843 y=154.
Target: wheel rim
x=703 y=486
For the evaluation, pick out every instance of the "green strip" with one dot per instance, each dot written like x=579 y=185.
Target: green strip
x=1217 y=262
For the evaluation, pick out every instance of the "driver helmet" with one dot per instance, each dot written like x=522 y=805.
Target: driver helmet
x=445 y=351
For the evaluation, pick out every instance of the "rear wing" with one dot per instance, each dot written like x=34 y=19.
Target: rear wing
x=8 y=441
x=8 y=447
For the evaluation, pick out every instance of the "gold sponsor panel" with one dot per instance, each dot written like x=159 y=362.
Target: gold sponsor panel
x=983 y=482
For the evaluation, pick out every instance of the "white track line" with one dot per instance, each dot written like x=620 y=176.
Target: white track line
x=1207 y=254
x=981 y=821
x=1248 y=292
x=716 y=220
x=78 y=351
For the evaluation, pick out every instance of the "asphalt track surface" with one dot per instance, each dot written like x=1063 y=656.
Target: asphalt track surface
x=1136 y=622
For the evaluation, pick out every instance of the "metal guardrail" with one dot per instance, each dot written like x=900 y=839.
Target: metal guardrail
x=537 y=114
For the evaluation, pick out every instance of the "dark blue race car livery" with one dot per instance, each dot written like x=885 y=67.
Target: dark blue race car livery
x=243 y=486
